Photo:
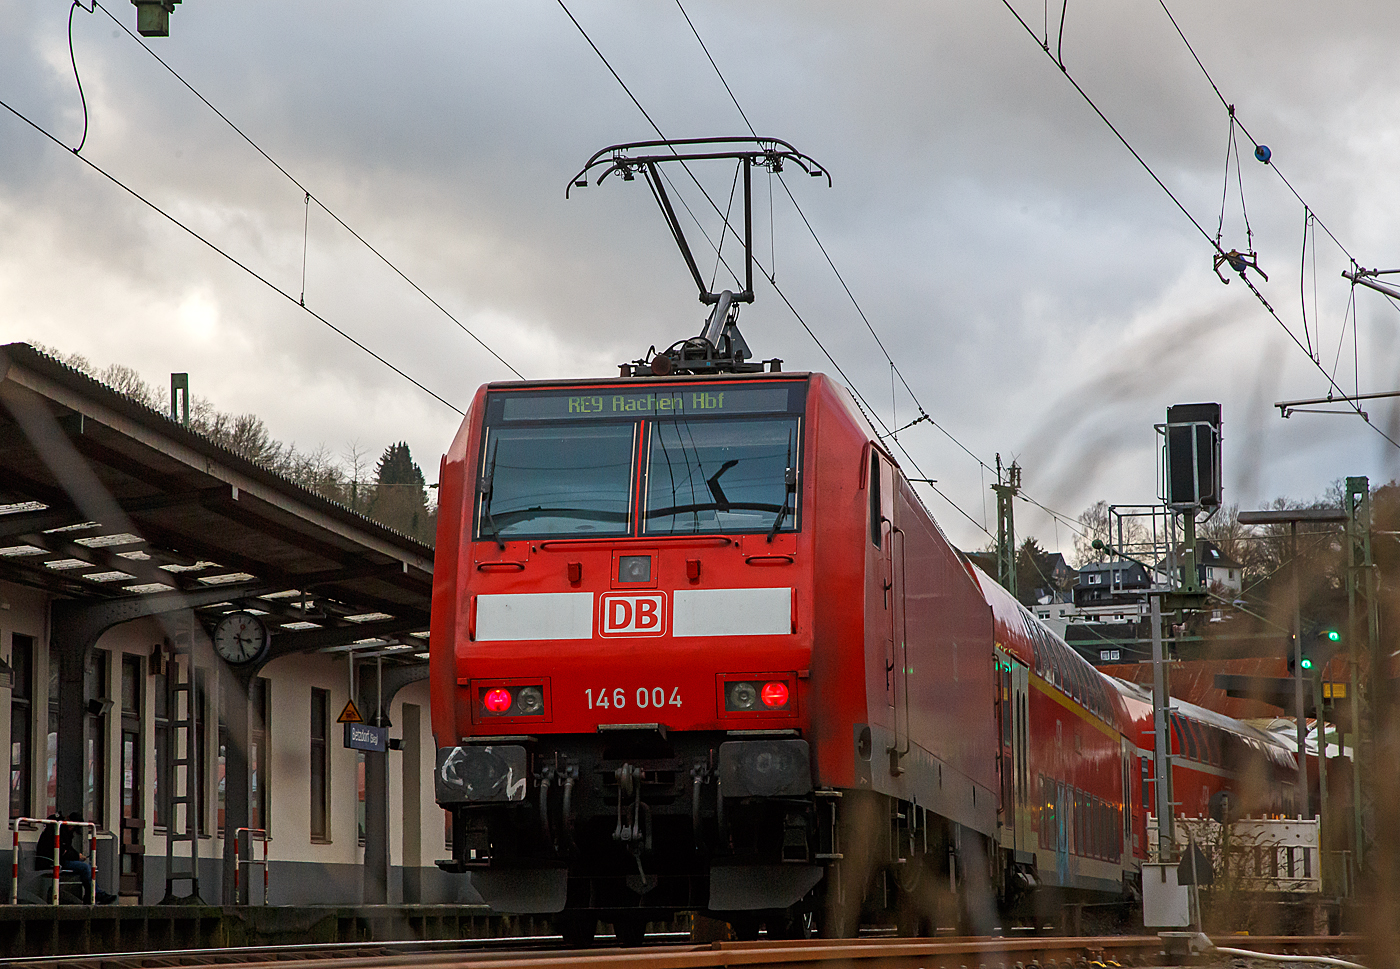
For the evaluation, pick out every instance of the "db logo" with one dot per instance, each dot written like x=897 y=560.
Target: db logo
x=633 y=615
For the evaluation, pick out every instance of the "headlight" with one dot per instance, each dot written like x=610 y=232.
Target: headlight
x=510 y=700
x=497 y=700
x=775 y=694
x=758 y=695
x=529 y=701
x=740 y=696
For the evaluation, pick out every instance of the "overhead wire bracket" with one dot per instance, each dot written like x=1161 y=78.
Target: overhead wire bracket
x=1238 y=261
x=719 y=347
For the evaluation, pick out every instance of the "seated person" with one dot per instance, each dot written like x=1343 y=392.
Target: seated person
x=70 y=858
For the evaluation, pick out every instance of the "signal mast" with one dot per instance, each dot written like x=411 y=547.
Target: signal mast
x=719 y=348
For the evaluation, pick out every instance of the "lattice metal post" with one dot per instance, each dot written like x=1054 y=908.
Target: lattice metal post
x=1361 y=584
x=1006 y=525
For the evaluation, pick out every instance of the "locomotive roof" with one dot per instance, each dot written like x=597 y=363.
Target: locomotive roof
x=648 y=381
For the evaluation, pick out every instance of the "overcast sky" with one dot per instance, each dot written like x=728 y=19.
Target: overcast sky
x=1045 y=299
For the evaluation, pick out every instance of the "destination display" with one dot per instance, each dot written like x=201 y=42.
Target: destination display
x=595 y=404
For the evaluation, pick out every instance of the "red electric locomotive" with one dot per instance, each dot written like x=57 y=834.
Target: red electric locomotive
x=698 y=646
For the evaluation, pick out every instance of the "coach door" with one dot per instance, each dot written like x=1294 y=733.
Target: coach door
x=1013 y=680
x=1021 y=705
x=882 y=536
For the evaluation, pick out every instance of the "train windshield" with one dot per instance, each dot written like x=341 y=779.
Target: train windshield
x=711 y=476
x=563 y=480
x=640 y=460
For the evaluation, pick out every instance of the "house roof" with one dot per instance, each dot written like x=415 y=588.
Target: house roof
x=102 y=497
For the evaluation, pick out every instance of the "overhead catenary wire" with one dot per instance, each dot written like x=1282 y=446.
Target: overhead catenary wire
x=1249 y=283
x=310 y=196
x=226 y=255
x=895 y=371
x=865 y=405
x=1273 y=164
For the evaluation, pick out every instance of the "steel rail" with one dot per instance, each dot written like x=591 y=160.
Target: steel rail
x=880 y=953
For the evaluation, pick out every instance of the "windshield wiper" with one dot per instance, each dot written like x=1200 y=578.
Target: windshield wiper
x=484 y=487
x=790 y=489
x=559 y=511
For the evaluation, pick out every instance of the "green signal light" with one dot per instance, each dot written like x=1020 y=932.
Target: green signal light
x=1307 y=663
x=1333 y=635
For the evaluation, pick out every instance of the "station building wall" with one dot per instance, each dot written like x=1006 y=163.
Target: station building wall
x=324 y=866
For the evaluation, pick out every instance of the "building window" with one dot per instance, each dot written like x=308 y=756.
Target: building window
x=21 y=710
x=51 y=747
x=201 y=751
x=95 y=738
x=160 y=698
x=260 y=731
x=320 y=765
x=131 y=776
x=360 y=794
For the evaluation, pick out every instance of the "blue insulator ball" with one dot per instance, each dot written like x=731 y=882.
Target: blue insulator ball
x=1262 y=153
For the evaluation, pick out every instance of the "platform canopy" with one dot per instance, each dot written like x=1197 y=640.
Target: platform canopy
x=104 y=500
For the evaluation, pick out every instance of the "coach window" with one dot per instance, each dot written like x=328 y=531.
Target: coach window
x=21 y=710
x=1198 y=734
x=1176 y=733
x=320 y=765
x=1190 y=739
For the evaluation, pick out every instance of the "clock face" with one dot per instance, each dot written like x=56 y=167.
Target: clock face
x=240 y=637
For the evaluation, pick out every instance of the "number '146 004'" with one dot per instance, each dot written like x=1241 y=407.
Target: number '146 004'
x=617 y=698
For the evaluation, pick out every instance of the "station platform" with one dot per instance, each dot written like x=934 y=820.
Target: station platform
x=34 y=930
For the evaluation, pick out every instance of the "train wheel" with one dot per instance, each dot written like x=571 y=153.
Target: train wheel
x=745 y=927
x=794 y=923
x=578 y=930
x=630 y=930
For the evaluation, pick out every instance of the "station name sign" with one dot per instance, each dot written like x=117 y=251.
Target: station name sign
x=362 y=736
x=699 y=401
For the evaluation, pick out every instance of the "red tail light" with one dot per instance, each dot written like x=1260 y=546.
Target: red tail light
x=775 y=694
x=497 y=700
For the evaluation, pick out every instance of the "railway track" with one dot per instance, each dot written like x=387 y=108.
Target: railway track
x=543 y=953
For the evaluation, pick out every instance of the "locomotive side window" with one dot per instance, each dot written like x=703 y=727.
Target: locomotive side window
x=706 y=476
x=873 y=483
x=559 y=480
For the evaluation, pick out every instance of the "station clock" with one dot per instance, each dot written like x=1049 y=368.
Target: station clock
x=240 y=637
